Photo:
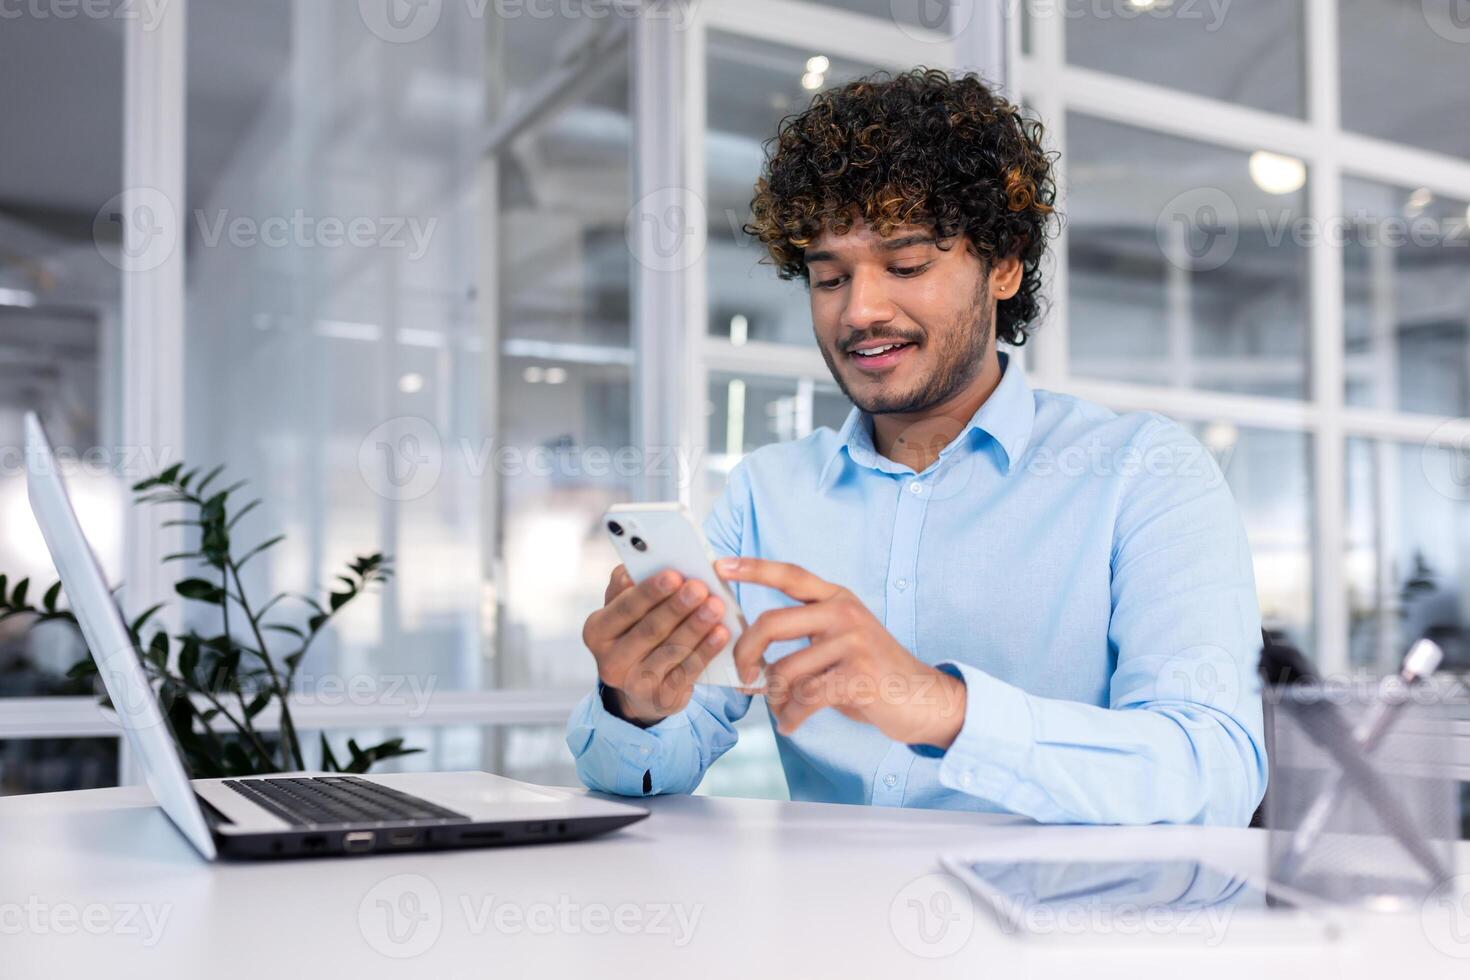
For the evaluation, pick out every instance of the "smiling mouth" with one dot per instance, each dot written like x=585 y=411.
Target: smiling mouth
x=875 y=356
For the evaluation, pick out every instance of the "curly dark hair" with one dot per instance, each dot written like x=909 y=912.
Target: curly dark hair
x=922 y=148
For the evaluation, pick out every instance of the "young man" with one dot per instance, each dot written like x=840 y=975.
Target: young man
x=975 y=595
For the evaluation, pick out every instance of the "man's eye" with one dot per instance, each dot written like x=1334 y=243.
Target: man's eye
x=831 y=283
x=909 y=270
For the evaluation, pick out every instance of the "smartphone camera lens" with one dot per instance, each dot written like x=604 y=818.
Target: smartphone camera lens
x=615 y=528
x=638 y=543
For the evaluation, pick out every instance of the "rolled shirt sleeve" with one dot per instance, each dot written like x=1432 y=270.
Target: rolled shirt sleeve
x=614 y=755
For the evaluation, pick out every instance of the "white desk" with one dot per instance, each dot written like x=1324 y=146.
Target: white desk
x=786 y=890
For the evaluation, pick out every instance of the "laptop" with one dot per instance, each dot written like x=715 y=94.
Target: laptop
x=294 y=814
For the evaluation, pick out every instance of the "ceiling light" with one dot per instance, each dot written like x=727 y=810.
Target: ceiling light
x=739 y=329
x=17 y=297
x=533 y=374
x=1277 y=174
x=1418 y=201
x=812 y=80
x=556 y=375
x=411 y=383
x=1220 y=437
x=818 y=63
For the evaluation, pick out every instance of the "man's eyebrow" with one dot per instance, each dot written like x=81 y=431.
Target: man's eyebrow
x=887 y=245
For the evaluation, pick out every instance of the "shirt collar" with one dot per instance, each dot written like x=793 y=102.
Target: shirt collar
x=1006 y=417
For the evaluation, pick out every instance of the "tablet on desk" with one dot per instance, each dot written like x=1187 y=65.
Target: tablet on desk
x=1123 y=902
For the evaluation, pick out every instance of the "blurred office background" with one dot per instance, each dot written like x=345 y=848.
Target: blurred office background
x=1242 y=186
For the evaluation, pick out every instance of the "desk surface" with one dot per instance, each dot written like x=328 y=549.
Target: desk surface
x=98 y=884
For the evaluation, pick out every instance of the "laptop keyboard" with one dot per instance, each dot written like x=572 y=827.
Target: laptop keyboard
x=322 y=801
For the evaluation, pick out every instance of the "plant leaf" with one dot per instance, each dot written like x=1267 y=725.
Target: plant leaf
x=329 y=761
x=146 y=615
x=209 y=478
x=269 y=543
x=241 y=513
x=157 y=652
x=18 y=596
x=82 y=669
x=257 y=704
x=48 y=602
x=200 y=590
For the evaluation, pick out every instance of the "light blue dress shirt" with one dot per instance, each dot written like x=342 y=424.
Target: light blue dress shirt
x=1086 y=574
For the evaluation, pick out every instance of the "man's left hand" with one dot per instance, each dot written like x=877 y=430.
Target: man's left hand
x=853 y=663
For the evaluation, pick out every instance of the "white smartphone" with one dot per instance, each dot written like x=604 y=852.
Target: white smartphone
x=652 y=537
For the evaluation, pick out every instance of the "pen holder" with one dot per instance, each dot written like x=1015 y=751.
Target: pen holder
x=1376 y=828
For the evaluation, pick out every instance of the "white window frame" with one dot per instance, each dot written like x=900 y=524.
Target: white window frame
x=1054 y=88
x=672 y=308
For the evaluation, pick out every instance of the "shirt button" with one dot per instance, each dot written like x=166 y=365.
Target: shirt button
x=916 y=487
x=965 y=779
x=890 y=780
x=644 y=750
x=901 y=584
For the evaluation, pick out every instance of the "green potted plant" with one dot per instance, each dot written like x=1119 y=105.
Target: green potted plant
x=214 y=687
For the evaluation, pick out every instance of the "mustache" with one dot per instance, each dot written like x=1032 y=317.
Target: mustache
x=858 y=338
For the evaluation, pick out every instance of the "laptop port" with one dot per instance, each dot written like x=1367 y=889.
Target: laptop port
x=314 y=843
x=402 y=838
x=357 y=841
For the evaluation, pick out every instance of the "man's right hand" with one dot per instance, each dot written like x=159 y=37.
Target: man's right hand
x=652 y=640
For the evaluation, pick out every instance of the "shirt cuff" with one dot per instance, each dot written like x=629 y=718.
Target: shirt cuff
x=613 y=754
x=995 y=742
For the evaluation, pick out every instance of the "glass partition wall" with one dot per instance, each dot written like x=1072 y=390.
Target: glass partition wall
x=414 y=312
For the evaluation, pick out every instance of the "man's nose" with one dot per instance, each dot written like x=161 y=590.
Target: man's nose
x=868 y=304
